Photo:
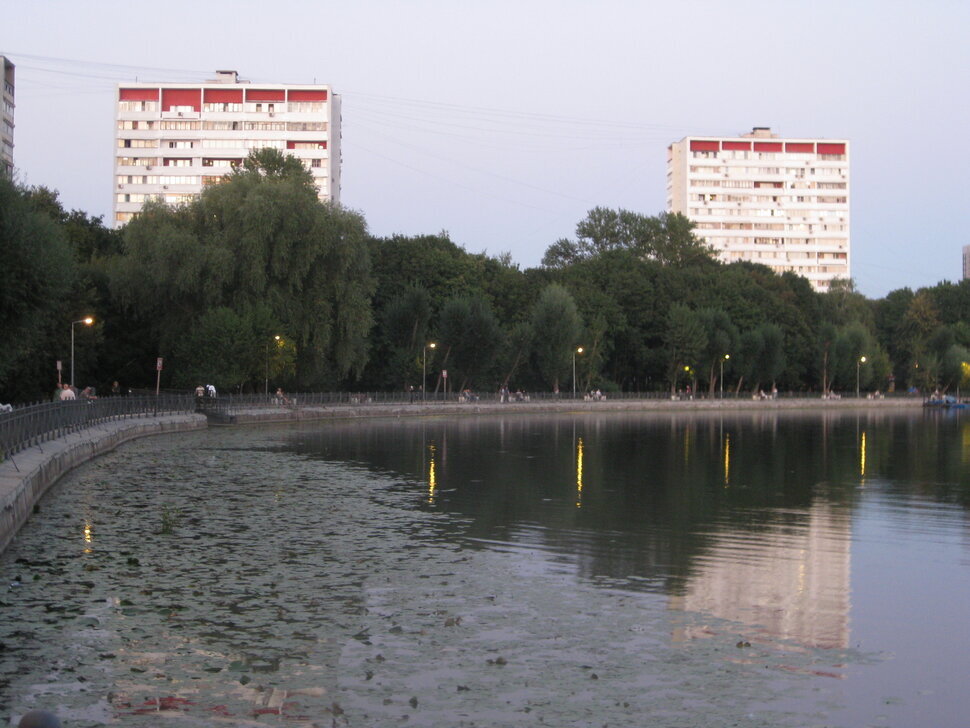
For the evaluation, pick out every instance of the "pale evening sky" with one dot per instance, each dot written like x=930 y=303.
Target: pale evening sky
x=504 y=122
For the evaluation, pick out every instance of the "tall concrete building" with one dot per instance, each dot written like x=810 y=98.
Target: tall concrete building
x=966 y=262
x=756 y=197
x=173 y=139
x=6 y=132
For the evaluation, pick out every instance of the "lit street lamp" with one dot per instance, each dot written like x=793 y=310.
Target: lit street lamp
x=277 y=339
x=579 y=350
x=424 y=367
x=721 y=379
x=87 y=321
x=862 y=360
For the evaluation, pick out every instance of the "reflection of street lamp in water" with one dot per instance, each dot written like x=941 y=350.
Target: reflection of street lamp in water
x=87 y=321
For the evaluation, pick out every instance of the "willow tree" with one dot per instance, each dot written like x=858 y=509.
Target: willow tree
x=470 y=336
x=556 y=328
x=259 y=240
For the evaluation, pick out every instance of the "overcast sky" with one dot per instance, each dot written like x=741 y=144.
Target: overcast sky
x=503 y=122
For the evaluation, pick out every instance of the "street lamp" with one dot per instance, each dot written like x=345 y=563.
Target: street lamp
x=862 y=360
x=87 y=321
x=579 y=350
x=277 y=339
x=424 y=367
x=721 y=379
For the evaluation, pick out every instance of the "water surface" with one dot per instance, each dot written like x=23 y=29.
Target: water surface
x=679 y=570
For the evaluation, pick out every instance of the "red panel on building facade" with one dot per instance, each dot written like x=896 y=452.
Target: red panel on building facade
x=223 y=96
x=800 y=147
x=181 y=97
x=736 y=146
x=696 y=145
x=767 y=146
x=831 y=148
x=138 y=94
x=306 y=95
x=262 y=94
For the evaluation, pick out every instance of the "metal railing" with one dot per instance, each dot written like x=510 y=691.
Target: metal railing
x=35 y=424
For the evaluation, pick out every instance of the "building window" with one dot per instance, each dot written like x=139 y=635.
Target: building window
x=138 y=106
x=220 y=106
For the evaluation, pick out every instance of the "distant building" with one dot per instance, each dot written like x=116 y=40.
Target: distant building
x=966 y=262
x=6 y=132
x=760 y=198
x=173 y=139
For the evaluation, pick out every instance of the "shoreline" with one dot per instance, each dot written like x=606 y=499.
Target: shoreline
x=25 y=478
x=306 y=413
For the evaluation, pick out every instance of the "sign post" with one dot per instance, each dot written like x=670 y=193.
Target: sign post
x=158 y=375
x=59 y=367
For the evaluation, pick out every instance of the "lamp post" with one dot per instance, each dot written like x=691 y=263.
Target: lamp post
x=862 y=360
x=579 y=350
x=424 y=367
x=87 y=321
x=277 y=339
x=721 y=378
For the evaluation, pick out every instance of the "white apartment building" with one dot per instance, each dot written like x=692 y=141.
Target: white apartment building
x=966 y=262
x=6 y=130
x=783 y=203
x=173 y=139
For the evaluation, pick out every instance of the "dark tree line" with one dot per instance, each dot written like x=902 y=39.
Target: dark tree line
x=257 y=283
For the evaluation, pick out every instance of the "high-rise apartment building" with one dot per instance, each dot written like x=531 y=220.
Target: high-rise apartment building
x=756 y=197
x=966 y=262
x=173 y=139
x=6 y=131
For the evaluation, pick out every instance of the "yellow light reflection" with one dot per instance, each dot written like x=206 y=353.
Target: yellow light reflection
x=579 y=473
x=727 y=460
x=88 y=538
x=965 y=444
x=862 y=455
x=432 y=479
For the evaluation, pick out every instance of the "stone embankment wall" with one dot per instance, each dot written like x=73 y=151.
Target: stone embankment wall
x=25 y=477
x=438 y=409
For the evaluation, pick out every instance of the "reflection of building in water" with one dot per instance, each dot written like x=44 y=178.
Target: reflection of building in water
x=790 y=580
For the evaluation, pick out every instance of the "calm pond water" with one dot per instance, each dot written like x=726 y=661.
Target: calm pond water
x=606 y=569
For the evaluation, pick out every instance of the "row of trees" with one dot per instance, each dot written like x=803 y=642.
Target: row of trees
x=257 y=282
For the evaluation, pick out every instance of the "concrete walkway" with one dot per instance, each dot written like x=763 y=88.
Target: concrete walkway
x=26 y=476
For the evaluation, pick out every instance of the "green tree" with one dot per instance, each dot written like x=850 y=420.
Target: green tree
x=684 y=340
x=405 y=321
x=667 y=238
x=470 y=336
x=260 y=236
x=721 y=338
x=37 y=277
x=556 y=328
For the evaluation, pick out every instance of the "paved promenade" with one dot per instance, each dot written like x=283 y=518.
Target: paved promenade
x=25 y=477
